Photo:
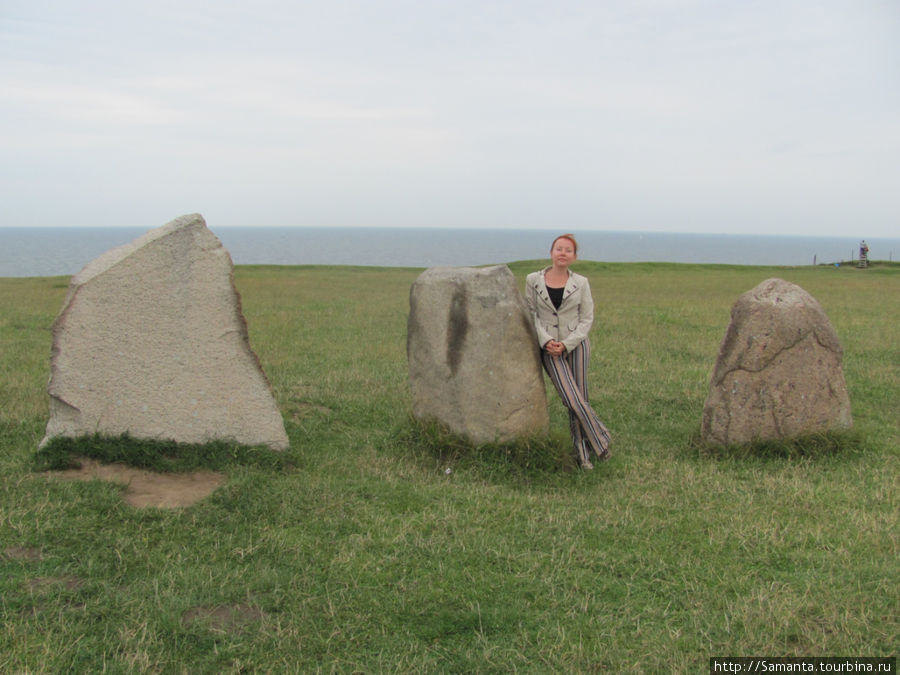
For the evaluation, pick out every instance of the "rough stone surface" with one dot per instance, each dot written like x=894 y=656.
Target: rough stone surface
x=779 y=373
x=151 y=341
x=474 y=365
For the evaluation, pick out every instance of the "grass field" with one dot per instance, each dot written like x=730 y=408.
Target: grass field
x=356 y=551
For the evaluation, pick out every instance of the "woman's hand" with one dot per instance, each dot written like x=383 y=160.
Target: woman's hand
x=555 y=348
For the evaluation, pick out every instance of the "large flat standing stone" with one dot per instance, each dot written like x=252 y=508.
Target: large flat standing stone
x=474 y=364
x=779 y=373
x=151 y=341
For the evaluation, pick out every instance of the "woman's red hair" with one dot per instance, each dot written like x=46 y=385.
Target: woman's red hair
x=570 y=237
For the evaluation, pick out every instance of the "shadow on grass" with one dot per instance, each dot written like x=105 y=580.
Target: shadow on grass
x=524 y=460
x=156 y=455
x=810 y=447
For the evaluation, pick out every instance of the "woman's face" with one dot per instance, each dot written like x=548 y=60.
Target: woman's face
x=563 y=252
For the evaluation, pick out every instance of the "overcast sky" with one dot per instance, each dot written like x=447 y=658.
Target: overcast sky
x=744 y=116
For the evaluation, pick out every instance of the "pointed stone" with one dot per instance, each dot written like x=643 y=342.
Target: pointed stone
x=151 y=341
x=779 y=373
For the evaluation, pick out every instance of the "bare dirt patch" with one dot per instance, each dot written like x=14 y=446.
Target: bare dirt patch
x=23 y=553
x=146 y=488
x=68 y=582
x=222 y=618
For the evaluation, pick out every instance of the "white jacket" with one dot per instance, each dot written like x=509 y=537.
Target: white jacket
x=570 y=323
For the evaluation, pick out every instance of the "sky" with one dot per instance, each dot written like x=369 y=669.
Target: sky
x=725 y=116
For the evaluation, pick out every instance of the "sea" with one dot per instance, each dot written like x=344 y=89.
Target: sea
x=56 y=251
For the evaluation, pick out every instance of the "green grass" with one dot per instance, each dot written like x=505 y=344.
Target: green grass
x=356 y=550
x=157 y=455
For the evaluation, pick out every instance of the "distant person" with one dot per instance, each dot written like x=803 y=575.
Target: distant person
x=562 y=308
x=863 y=251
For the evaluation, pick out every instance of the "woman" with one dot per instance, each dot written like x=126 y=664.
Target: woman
x=563 y=311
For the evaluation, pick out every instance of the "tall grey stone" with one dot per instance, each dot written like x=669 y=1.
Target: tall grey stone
x=474 y=364
x=151 y=341
x=779 y=372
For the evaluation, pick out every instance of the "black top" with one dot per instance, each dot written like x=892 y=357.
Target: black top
x=556 y=295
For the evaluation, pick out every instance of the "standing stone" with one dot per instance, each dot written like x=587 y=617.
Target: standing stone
x=473 y=358
x=151 y=341
x=779 y=373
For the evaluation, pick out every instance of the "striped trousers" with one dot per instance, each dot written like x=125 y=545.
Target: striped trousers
x=569 y=375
